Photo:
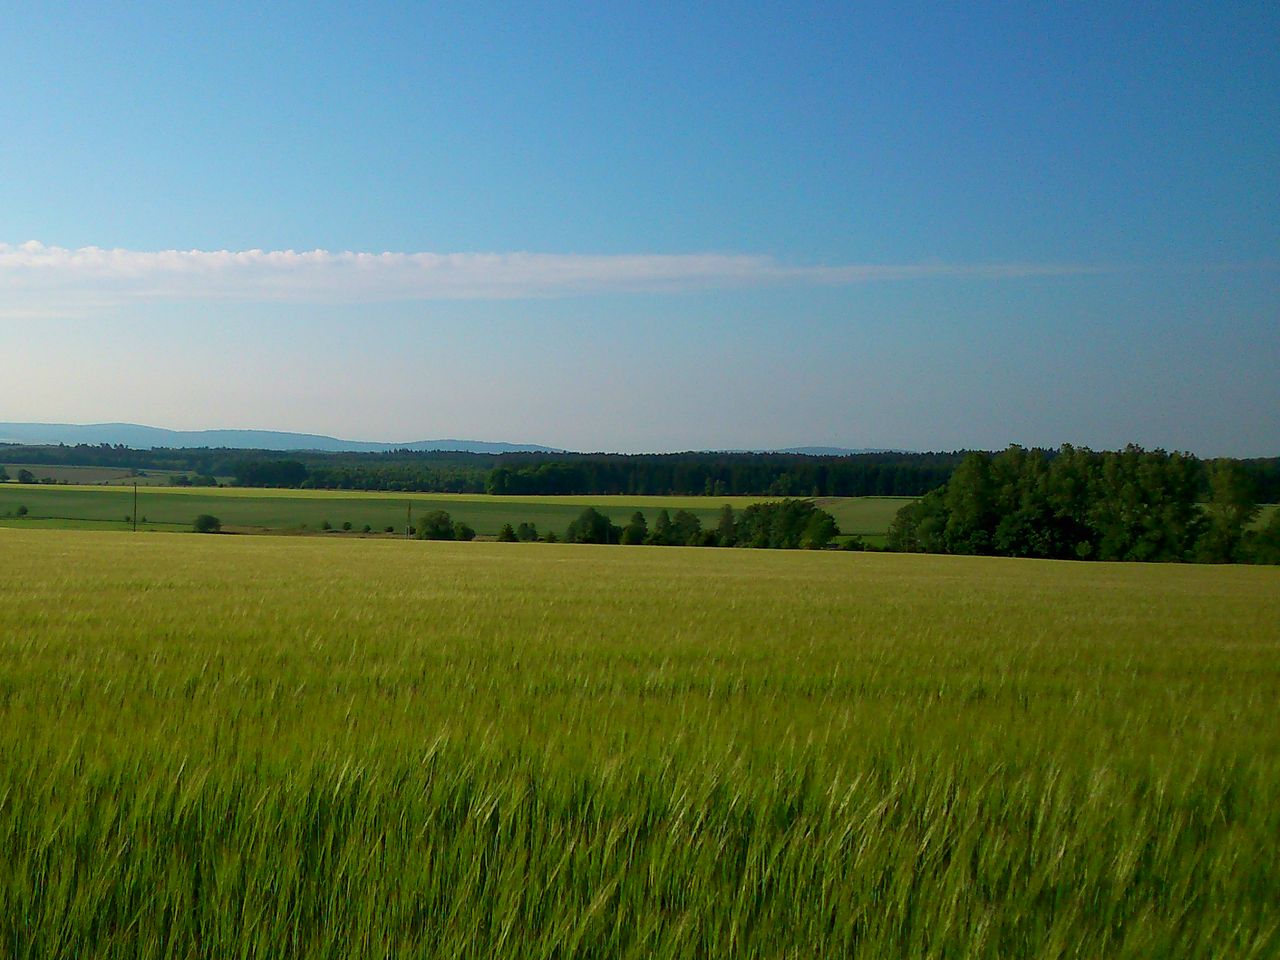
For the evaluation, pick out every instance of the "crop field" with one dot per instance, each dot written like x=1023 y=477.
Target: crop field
x=105 y=476
x=255 y=509
x=270 y=747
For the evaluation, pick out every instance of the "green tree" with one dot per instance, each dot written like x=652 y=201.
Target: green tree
x=686 y=529
x=463 y=531
x=207 y=523
x=527 y=532
x=435 y=525
x=507 y=534
x=819 y=531
x=26 y=476
x=4 y=474
x=1263 y=546
x=592 y=526
x=1230 y=510
x=727 y=527
x=660 y=535
x=636 y=531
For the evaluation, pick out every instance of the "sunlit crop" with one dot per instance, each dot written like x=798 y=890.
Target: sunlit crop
x=231 y=746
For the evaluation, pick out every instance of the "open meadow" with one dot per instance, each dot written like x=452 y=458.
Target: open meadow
x=267 y=747
x=253 y=509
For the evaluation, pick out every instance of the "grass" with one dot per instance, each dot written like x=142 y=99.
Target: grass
x=222 y=746
x=244 y=508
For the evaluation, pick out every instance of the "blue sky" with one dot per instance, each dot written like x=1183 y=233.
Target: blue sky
x=647 y=228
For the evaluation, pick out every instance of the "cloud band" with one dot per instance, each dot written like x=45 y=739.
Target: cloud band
x=32 y=273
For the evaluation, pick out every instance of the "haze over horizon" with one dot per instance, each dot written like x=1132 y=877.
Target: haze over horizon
x=646 y=230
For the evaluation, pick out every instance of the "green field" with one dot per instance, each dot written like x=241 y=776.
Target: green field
x=255 y=509
x=104 y=476
x=270 y=747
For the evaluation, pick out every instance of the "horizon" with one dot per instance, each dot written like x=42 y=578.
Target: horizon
x=538 y=446
x=654 y=230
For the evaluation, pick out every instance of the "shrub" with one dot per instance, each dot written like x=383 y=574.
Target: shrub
x=435 y=525
x=207 y=523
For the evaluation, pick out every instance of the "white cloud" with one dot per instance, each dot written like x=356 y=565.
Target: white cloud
x=35 y=277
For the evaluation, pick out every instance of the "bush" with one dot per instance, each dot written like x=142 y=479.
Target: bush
x=207 y=523
x=435 y=525
x=507 y=534
x=22 y=510
x=326 y=525
x=463 y=531
x=346 y=524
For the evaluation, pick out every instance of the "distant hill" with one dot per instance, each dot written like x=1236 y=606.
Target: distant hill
x=145 y=438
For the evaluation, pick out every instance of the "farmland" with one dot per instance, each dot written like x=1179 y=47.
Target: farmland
x=249 y=509
x=216 y=746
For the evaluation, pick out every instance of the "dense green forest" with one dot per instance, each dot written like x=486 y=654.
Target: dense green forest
x=1072 y=503
x=524 y=474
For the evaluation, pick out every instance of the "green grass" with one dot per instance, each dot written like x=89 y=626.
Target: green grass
x=176 y=507
x=266 y=747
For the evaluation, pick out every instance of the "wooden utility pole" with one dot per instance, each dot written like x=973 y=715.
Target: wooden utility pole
x=408 y=519
x=135 y=506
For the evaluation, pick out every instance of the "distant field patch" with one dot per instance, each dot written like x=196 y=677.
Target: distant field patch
x=295 y=509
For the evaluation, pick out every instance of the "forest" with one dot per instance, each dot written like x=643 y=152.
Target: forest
x=1075 y=503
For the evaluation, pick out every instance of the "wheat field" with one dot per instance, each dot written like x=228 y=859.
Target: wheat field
x=268 y=747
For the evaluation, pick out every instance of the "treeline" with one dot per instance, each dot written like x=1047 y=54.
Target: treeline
x=1075 y=503
x=722 y=474
x=683 y=474
x=777 y=525
x=524 y=474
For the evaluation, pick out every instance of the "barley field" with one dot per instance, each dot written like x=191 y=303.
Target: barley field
x=298 y=747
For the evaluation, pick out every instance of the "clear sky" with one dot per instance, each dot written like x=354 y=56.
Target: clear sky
x=649 y=226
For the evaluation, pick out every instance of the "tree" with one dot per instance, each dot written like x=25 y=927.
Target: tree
x=435 y=525
x=819 y=531
x=727 y=528
x=527 y=532
x=1230 y=510
x=686 y=529
x=4 y=474
x=592 y=526
x=507 y=534
x=463 y=531
x=636 y=530
x=207 y=523
x=1263 y=546
x=660 y=535
x=26 y=476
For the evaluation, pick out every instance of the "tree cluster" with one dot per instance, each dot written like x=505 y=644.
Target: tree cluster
x=720 y=474
x=438 y=525
x=1074 y=503
x=785 y=524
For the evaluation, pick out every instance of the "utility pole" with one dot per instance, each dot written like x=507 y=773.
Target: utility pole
x=135 y=506
x=408 y=519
